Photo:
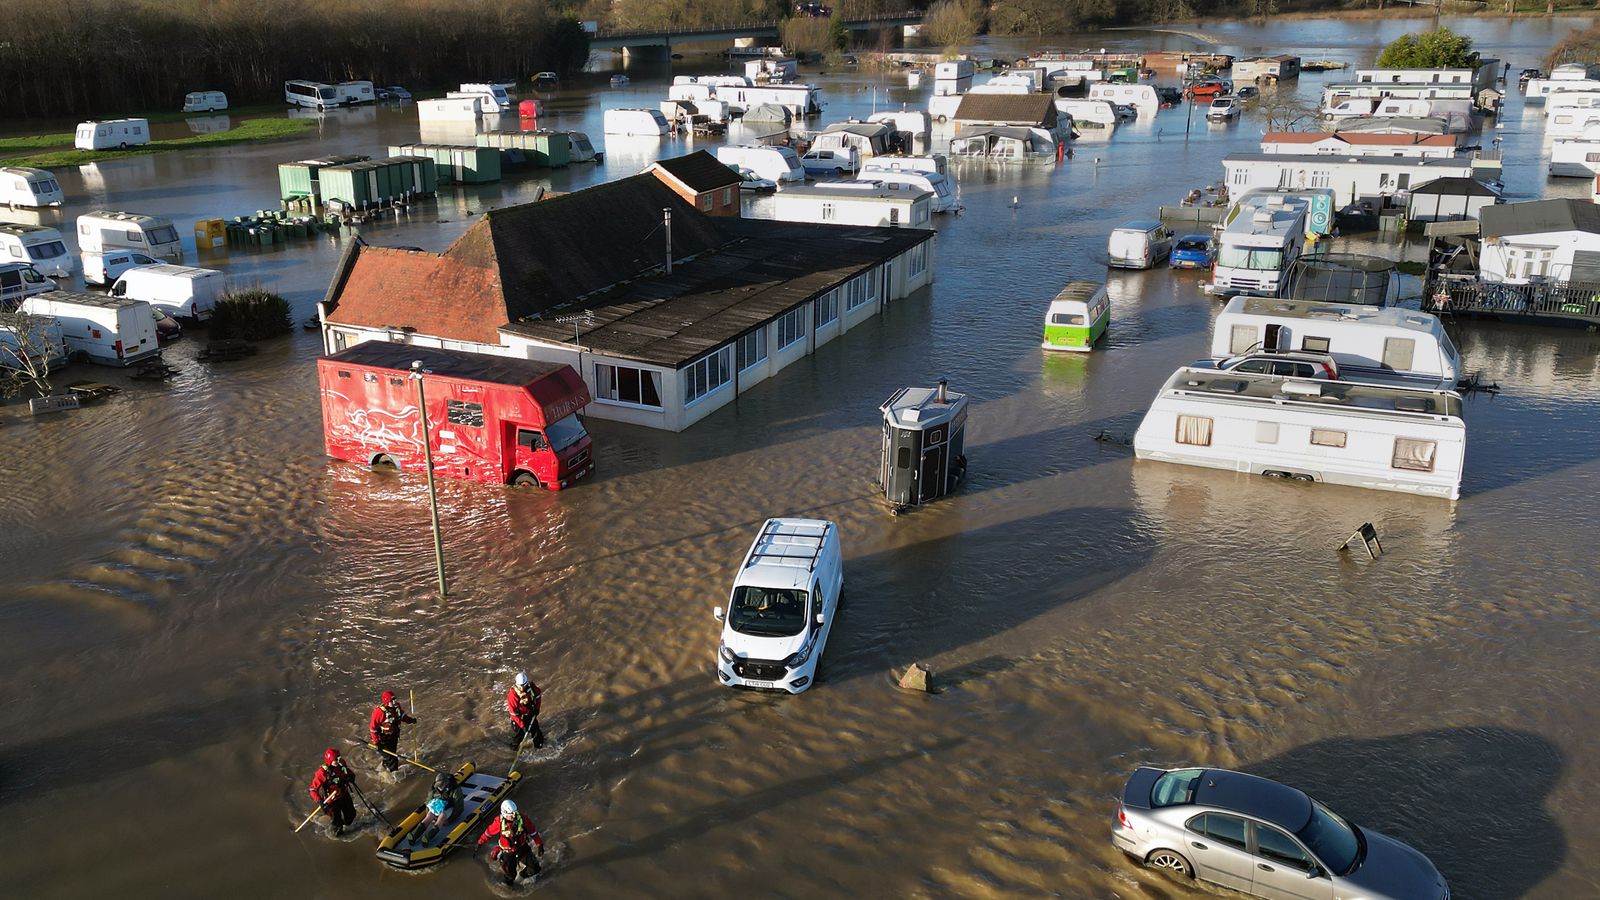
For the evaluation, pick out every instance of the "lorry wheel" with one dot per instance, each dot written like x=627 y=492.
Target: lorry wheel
x=525 y=480
x=384 y=463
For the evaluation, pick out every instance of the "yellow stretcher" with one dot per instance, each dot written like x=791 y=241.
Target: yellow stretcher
x=404 y=847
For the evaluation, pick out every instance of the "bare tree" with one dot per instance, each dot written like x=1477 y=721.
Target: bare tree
x=28 y=343
x=1283 y=112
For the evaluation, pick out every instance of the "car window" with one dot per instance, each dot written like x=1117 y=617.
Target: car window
x=1174 y=788
x=1280 y=848
x=1225 y=829
x=1258 y=366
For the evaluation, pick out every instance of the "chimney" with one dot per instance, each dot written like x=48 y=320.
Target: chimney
x=943 y=396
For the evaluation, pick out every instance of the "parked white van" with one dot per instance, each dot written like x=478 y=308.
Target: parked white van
x=103 y=230
x=23 y=186
x=1139 y=245
x=311 y=94
x=37 y=244
x=108 y=266
x=1370 y=343
x=19 y=280
x=204 y=101
x=183 y=292
x=117 y=134
x=647 y=122
x=113 y=331
x=782 y=606
x=494 y=96
x=779 y=164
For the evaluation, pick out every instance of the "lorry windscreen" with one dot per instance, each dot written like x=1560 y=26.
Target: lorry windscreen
x=565 y=433
x=768 y=612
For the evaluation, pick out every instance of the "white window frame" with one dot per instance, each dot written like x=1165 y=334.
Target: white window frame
x=919 y=259
x=861 y=290
x=790 y=328
x=602 y=379
x=752 y=348
x=714 y=371
x=827 y=308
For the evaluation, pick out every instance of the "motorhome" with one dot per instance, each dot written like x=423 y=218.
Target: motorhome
x=1578 y=157
x=1141 y=97
x=21 y=186
x=782 y=606
x=204 y=101
x=1257 y=247
x=103 y=230
x=353 y=92
x=1095 y=114
x=183 y=292
x=1381 y=343
x=493 y=96
x=1077 y=317
x=944 y=196
x=1319 y=206
x=867 y=139
x=636 y=122
x=953 y=77
x=112 y=331
x=310 y=94
x=19 y=280
x=117 y=134
x=802 y=100
x=779 y=164
x=1380 y=437
x=39 y=245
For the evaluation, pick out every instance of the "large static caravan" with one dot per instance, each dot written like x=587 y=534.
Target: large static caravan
x=868 y=139
x=1369 y=342
x=1352 y=178
x=944 y=197
x=776 y=164
x=21 y=186
x=1350 y=143
x=953 y=77
x=1388 y=438
x=636 y=122
x=802 y=100
x=1141 y=97
x=1096 y=114
x=1578 y=157
x=1474 y=79
x=846 y=203
x=103 y=230
x=1566 y=77
x=1569 y=115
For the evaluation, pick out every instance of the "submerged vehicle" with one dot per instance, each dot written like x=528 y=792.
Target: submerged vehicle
x=781 y=609
x=412 y=845
x=1077 y=318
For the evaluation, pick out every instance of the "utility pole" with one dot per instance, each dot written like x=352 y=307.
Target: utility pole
x=417 y=371
x=667 y=221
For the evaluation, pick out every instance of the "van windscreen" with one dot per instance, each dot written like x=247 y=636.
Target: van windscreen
x=768 y=612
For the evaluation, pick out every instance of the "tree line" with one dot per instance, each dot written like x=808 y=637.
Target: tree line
x=108 y=57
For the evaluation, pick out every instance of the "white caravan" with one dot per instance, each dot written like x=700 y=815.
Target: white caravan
x=40 y=245
x=1088 y=113
x=1266 y=235
x=802 y=100
x=1362 y=435
x=953 y=78
x=494 y=96
x=782 y=606
x=867 y=139
x=1579 y=156
x=353 y=92
x=937 y=163
x=112 y=331
x=117 y=134
x=310 y=94
x=636 y=122
x=204 y=101
x=942 y=107
x=1141 y=97
x=21 y=186
x=944 y=197
x=777 y=164
x=1009 y=83
x=183 y=292
x=910 y=129
x=103 y=230
x=1387 y=344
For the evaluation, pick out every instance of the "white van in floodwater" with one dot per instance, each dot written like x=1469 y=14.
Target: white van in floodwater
x=1139 y=245
x=103 y=230
x=779 y=164
x=106 y=267
x=117 y=134
x=112 y=331
x=204 y=101
x=183 y=292
x=21 y=186
x=782 y=606
x=19 y=280
x=40 y=245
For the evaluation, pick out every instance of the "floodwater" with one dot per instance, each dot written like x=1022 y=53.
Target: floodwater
x=197 y=601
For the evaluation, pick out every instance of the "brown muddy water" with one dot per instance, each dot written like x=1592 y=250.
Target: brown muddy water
x=197 y=602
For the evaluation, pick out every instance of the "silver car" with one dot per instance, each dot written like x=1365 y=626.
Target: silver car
x=1263 y=838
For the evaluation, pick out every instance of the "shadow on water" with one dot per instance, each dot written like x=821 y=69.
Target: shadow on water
x=1471 y=799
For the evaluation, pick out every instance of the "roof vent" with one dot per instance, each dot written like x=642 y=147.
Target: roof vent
x=1302 y=388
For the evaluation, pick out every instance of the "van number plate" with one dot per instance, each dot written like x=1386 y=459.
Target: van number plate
x=759 y=684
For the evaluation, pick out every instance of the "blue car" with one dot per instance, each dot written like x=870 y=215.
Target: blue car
x=1192 y=251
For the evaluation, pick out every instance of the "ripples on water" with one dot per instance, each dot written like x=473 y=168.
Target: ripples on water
x=199 y=601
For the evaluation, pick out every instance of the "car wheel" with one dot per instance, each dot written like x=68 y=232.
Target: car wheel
x=524 y=480
x=1170 y=861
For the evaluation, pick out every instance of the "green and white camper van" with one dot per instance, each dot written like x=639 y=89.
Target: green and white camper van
x=1077 y=318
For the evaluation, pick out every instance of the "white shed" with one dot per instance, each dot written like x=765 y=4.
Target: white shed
x=1556 y=240
x=1450 y=199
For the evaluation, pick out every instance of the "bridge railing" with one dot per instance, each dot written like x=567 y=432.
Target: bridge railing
x=760 y=25
x=1557 y=299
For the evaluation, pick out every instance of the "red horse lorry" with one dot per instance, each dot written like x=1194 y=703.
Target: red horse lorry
x=492 y=419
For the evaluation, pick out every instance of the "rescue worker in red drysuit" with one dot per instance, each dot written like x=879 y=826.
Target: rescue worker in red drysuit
x=331 y=788
x=385 y=728
x=517 y=838
x=523 y=701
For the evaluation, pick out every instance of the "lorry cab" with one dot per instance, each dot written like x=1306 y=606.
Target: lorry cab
x=782 y=606
x=553 y=456
x=1077 y=318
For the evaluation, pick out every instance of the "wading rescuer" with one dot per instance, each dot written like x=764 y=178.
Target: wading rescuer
x=517 y=838
x=331 y=788
x=385 y=727
x=523 y=701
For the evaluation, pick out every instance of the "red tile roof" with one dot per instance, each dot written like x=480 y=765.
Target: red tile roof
x=429 y=293
x=1294 y=137
x=1358 y=137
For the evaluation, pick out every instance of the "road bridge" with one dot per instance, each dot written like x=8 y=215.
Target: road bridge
x=728 y=33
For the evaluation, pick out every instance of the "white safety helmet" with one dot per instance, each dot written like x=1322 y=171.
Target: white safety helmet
x=522 y=679
x=508 y=808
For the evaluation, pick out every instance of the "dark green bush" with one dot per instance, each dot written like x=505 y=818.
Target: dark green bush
x=252 y=314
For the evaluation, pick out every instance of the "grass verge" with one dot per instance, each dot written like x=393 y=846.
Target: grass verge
x=35 y=142
x=246 y=132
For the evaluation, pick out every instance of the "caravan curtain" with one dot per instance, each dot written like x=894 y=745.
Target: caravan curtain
x=1414 y=454
x=1194 y=430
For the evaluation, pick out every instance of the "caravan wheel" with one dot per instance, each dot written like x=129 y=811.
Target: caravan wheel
x=123 y=145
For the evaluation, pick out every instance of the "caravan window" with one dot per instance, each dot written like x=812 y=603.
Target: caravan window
x=166 y=234
x=1323 y=437
x=136 y=237
x=16 y=251
x=1414 y=454
x=1242 y=338
x=1194 y=430
x=1398 y=353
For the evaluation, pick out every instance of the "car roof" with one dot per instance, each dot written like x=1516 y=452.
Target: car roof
x=1253 y=796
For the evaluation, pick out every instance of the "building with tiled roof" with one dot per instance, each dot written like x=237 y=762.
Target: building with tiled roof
x=708 y=185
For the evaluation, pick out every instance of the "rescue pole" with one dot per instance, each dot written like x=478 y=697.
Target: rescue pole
x=405 y=759
x=307 y=820
x=416 y=739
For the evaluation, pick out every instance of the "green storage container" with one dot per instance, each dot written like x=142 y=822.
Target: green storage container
x=346 y=184
x=295 y=180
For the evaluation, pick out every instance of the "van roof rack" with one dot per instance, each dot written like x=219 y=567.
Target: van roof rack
x=810 y=545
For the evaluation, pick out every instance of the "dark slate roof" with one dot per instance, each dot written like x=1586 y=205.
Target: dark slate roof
x=770 y=268
x=699 y=172
x=1539 y=217
x=1008 y=109
x=1253 y=796
x=1453 y=186
x=447 y=363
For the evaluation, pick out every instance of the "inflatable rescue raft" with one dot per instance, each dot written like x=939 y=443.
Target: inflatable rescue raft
x=405 y=848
